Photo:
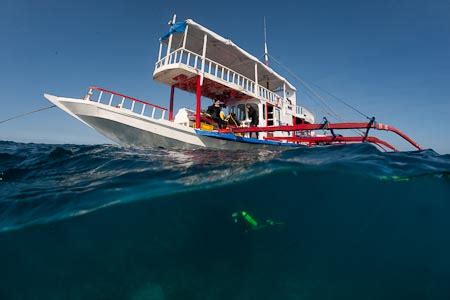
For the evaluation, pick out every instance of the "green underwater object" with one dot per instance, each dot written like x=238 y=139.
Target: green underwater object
x=394 y=178
x=247 y=219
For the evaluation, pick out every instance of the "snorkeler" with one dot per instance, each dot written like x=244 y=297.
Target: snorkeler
x=246 y=221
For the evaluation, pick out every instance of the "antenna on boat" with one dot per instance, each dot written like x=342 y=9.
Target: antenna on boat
x=171 y=22
x=266 y=52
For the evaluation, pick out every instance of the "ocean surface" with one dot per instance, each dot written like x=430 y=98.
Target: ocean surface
x=106 y=222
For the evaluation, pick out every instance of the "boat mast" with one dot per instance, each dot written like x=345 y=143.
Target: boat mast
x=266 y=52
x=172 y=88
x=169 y=43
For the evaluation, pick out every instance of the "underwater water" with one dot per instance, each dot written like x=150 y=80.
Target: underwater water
x=105 y=222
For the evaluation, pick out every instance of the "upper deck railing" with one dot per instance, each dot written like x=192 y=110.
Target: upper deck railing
x=219 y=72
x=225 y=75
x=122 y=101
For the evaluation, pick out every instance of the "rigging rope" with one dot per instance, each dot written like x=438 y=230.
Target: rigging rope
x=323 y=101
x=342 y=101
x=322 y=89
x=28 y=113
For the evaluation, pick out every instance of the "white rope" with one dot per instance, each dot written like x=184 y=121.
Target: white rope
x=321 y=99
x=28 y=113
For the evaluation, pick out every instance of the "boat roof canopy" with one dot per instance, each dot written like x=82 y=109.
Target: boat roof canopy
x=223 y=51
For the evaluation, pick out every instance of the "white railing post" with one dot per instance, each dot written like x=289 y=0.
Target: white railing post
x=188 y=58
x=88 y=95
x=143 y=109
x=121 y=103
x=132 y=105
x=110 y=99
x=100 y=96
x=153 y=113
x=163 y=114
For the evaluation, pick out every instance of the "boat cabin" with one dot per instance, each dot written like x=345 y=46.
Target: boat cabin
x=197 y=60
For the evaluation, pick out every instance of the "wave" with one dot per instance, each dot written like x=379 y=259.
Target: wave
x=43 y=183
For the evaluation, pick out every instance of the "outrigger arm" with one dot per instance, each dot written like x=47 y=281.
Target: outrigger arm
x=313 y=140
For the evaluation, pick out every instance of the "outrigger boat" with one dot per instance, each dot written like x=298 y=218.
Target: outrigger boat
x=195 y=59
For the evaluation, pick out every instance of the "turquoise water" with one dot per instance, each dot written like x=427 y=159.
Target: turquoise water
x=104 y=222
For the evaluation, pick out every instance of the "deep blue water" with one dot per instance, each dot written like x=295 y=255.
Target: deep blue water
x=105 y=222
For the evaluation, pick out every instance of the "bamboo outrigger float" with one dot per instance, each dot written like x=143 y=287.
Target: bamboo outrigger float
x=195 y=59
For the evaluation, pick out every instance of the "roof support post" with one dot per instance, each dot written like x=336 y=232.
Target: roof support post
x=205 y=39
x=169 y=44
x=160 y=50
x=185 y=36
x=256 y=81
x=198 y=102
x=172 y=93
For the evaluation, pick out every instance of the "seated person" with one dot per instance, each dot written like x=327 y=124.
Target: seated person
x=214 y=111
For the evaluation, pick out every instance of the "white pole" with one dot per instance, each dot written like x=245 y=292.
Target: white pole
x=266 y=52
x=205 y=39
x=160 y=51
x=169 y=44
x=256 y=80
x=185 y=36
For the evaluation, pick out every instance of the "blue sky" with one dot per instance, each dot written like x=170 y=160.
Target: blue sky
x=391 y=59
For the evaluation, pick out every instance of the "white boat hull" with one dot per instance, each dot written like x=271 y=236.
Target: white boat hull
x=128 y=128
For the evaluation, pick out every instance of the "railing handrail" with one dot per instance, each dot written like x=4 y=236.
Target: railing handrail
x=126 y=97
x=207 y=59
x=256 y=85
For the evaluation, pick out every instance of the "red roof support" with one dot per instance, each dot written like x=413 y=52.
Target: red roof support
x=198 y=89
x=172 y=94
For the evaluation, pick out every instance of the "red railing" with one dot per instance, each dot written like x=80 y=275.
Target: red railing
x=328 y=139
x=124 y=97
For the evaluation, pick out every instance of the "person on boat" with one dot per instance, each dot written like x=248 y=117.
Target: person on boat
x=215 y=111
x=248 y=222
x=253 y=115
